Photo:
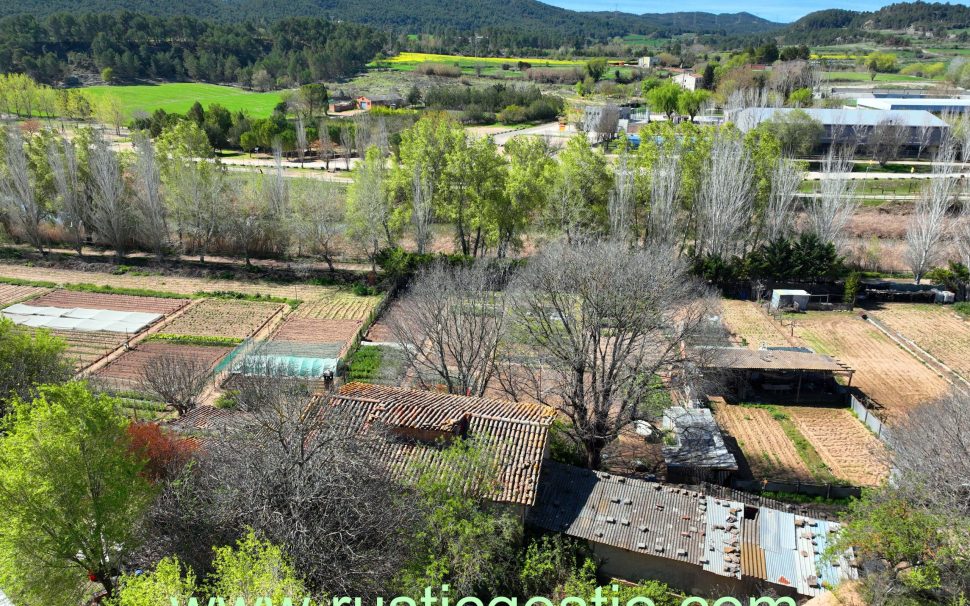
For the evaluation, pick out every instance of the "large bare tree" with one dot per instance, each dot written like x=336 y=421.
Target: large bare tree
x=886 y=140
x=23 y=206
x=176 y=379
x=927 y=227
x=596 y=325
x=451 y=327
x=724 y=202
x=833 y=207
x=293 y=466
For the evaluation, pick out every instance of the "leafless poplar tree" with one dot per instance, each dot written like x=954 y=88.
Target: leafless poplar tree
x=177 y=380
x=111 y=216
x=779 y=214
x=150 y=205
x=320 y=219
x=835 y=204
x=927 y=227
x=664 y=225
x=301 y=140
x=20 y=200
x=924 y=137
x=422 y=212
x=326 y=143
x=724 y=202
x=74 y=208
x=276 y=190
x=621 y=200
x=451 y=327
x=607 y=122
x=347 y=143
x=601 y=322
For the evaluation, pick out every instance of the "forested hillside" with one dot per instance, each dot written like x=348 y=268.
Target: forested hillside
x=548 y=26
x=836 y=25
x=135 y=46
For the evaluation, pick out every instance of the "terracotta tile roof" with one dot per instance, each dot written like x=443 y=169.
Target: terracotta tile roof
x=516 y=434
x=205 y=420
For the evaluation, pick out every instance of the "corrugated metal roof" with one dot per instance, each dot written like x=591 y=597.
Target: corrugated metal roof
x=698 y=440
x=723 y=542
x=670 y=522
x=642 y=517
x=929 y=103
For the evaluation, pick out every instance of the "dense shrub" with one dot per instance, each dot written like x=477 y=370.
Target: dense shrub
x=430 y=68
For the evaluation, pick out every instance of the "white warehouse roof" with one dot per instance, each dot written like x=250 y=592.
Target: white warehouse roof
x=749 y=118
x=928 y=104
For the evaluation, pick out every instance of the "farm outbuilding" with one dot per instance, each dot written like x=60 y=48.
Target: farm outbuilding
x=696 y=542
x=365 y=103
x=933 y=105
x=774 y=373
x=697 y=451
x=790 y=299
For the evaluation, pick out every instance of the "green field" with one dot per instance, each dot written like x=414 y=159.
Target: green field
x=865 y=77
x=179 y=97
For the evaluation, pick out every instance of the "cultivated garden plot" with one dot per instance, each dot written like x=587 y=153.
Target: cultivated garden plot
x=884 y=370
x=223 y=318
x=307 y=330
x=937 y=329
x=339 y=306
x=183 y=285
x=767 y=449
x=127 y=368
x=68 y=299
x=88 y=300
x=751 y=326
x=10 y=294
x=86 y=348
x=848 y=448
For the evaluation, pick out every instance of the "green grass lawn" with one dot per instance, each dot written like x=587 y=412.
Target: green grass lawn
x=866 y=77
x=179 y=97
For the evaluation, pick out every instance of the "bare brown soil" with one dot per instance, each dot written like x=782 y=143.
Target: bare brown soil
x=70 y=299
x=223 y=318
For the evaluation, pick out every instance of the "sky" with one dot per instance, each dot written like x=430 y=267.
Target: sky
x=775 y=10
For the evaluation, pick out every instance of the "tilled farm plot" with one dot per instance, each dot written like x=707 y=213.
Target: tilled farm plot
x=222 y=318
x=129 y=366
x=767 y=449
x=339 y=306
x=938 y=330
x=175 y=284
x=851 y=451
x=86 y=348
x=10 y=294
x=308 y=330
x=884 y=370
x=69 y=299
x=746 y=320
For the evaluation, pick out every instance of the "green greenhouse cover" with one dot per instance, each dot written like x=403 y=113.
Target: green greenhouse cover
x=291 y=366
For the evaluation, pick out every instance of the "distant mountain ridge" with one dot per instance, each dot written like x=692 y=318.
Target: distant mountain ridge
x=899 y=16
x=421 y=16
